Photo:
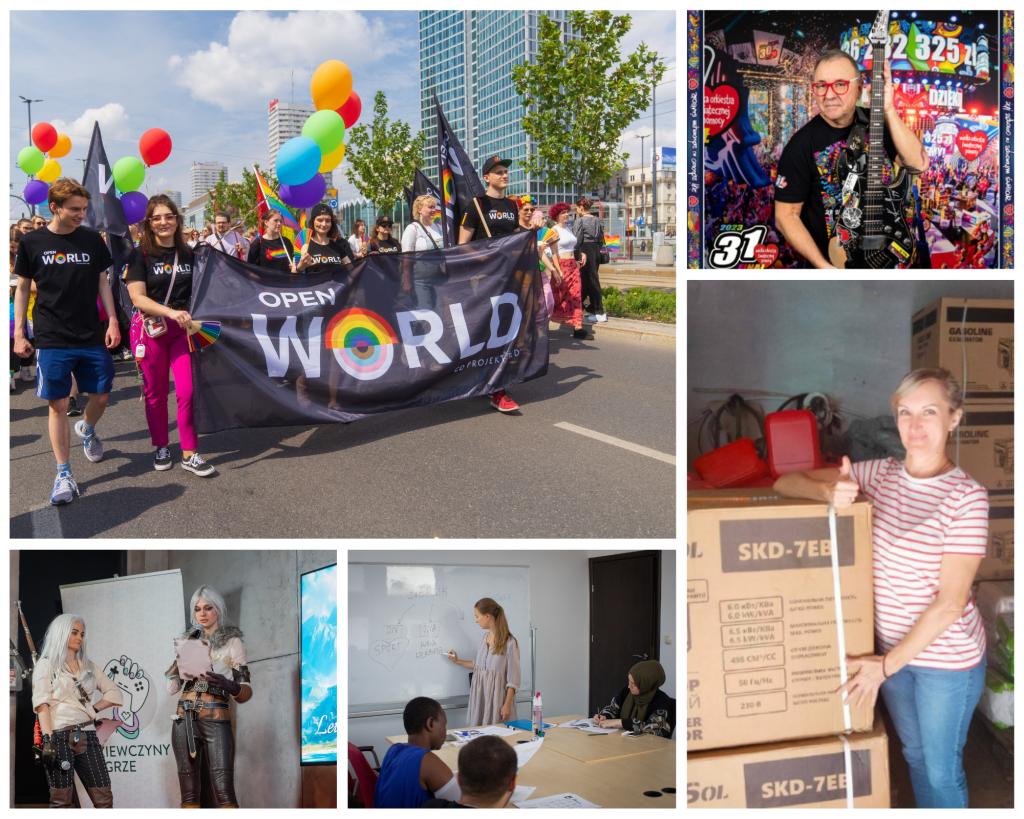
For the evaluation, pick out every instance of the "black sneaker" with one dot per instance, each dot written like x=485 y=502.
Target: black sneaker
x=581 y=333
x=162 y=461
x=73 y=409
x=198 y=466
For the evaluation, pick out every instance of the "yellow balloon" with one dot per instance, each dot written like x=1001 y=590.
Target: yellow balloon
x=333 y=159
x=62 y=148
x=50 y=171
x=331 y=85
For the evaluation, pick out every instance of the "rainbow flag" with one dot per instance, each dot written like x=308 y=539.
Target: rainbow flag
x=613 y=242
x=265 y=200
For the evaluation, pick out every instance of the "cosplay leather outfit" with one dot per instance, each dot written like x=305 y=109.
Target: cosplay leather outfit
x=203 y=743
x=74 y=741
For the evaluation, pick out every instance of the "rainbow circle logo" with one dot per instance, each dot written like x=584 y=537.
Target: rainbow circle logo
x=168 y=269
x=60 y=258
x=362 y=342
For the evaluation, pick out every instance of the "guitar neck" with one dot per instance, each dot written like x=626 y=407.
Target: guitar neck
x=876 y=143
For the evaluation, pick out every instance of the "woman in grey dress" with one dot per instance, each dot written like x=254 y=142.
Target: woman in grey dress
x=496 y=672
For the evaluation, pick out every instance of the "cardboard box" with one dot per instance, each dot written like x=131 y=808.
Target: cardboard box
x=936 y=342
x=762 y=650
x=998 y=561
x=809 y=773
x=986 y=447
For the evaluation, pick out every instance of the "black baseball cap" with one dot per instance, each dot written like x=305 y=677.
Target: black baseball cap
x=490 y=162
x=383 y=221
x=319 y=209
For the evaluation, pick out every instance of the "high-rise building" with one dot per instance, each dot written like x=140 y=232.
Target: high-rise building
x=204 y=176
x=466 y=59
x=175 y=197
x=285 y=121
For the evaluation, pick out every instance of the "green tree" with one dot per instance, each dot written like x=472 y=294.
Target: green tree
x=580 y=96
x=239 y=198
x=383 y=157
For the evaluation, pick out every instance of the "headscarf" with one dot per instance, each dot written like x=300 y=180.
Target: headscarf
x=648 y=676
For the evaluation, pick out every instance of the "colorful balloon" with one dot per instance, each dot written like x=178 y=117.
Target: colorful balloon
x=44 y=136
x=332 y=160
x=134 y=204
x=326 y=129
x=30 y=159
x=62 y=148
x=297 y=160
x=351 y=110
x=50 y=171
x=129 y=173
x=155 y=146
x=305 y=195
x=331 y=85
x=36 y=192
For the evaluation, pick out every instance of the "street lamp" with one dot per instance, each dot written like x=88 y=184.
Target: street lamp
x=29 y=102
x=643 y=184
x=654 y=171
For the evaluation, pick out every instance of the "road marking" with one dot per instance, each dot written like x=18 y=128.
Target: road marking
x=46 y=523
x=608 y=439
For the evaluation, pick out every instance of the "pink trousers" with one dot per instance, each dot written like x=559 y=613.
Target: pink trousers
x=165 y=353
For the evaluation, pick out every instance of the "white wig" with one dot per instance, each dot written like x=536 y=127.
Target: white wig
x=210 y=595
x=55 y=651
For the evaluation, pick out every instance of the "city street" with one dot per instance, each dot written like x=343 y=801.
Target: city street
x=590 y=454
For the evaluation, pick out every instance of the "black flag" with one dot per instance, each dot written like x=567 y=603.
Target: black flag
x=410 y=197
x=105 y=213
x=422 y=186
x=459 y=182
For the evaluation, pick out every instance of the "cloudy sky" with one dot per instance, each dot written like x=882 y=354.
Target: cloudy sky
x=207 y=79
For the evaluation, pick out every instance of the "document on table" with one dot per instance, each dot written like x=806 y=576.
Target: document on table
x=562 y=800
x=526 y=751
x=521 y=794
x=498 y=731
x=588 y=725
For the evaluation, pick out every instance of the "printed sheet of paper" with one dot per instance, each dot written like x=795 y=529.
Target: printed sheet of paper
x=193 y=657
x=561 y=800
x=526 y=751
x=521 y=794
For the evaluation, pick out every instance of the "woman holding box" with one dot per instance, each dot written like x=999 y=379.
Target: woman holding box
x=929 y=532
x=496 y=672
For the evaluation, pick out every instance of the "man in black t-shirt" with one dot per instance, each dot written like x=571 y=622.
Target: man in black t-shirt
x=807 y=191
x=501 y=217
x=68 y=264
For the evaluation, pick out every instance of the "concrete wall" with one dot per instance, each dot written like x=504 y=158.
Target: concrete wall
x=559 y=609
x=261 y=590
x=847 y=339
x=14 y=625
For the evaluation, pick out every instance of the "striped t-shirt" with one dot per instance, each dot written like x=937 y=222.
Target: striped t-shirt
x=914 y=523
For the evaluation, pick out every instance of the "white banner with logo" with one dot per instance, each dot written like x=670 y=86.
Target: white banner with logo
x=130 y=626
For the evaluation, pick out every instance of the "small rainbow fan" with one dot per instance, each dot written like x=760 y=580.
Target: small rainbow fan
x=545 y=234
x=202 y=334
x=301 y=239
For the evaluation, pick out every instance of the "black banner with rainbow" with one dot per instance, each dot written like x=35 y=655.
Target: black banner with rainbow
x=386 y=333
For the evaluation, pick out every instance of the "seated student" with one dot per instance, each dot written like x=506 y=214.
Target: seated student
x=641 y=707
x=487 y=775
x=409 y=773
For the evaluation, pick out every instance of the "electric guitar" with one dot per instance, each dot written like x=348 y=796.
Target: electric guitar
x=871 y=230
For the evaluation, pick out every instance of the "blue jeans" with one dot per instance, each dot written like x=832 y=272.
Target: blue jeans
x=932 y=711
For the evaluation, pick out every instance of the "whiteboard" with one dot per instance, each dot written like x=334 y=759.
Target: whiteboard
x=403 y=618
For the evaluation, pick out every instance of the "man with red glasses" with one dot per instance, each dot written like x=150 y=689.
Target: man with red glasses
x=807 y=190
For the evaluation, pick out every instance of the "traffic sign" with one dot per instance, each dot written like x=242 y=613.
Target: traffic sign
x=333 y=204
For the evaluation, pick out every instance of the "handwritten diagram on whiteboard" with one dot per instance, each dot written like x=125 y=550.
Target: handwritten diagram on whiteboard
x=404 y=619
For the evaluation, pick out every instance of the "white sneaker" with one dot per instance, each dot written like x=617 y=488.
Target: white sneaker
x=14 y=386
x=28 y=373
x=601 y=317
x=589 y=319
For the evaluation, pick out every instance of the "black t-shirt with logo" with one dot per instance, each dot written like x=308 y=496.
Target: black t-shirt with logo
x=270 y=254
x=807 y=174
x=66 y=268
x=386 y=246
x=500 y=214
x=335 y=252
x=155 y=270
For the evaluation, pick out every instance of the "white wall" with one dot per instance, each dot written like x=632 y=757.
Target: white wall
x=559 y=610
x=668 y=612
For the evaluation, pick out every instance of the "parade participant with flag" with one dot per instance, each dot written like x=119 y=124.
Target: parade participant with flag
x=325 y=246
x=381 y=240
x=226 y=239
x=159 y=278
x=271 y=249
x=568 y=300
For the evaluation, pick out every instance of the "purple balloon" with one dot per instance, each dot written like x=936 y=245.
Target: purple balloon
x=36 y=192
x=134 y=204
x=305 y=195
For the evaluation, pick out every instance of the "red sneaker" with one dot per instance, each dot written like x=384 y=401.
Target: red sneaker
x=502 y=401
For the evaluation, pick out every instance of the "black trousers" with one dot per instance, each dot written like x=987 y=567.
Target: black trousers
x=85 y=756
x=590 y=285
x=213 y=763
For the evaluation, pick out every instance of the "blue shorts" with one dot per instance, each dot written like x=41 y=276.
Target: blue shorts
x=92 y=366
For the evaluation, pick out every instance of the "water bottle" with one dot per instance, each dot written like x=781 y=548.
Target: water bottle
x=538 y=716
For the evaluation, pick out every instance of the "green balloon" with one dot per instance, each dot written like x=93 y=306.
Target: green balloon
x=327 y=129
x=31 y=159
x=129 y=174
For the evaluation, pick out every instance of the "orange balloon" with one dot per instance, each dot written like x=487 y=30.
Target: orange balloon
x=333 y=159
x=62 y=148
x=331 y=85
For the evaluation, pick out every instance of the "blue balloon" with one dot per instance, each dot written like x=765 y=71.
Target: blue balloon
x=134 y=204
x=305 y=195
x=297 y=161
x=37 y=191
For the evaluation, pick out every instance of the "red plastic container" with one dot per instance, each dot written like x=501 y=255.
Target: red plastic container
x=734 y=464
x=792 y=437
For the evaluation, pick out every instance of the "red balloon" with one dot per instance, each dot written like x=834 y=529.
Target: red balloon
x=44 y=136
x=351 y=109
x=155 y=146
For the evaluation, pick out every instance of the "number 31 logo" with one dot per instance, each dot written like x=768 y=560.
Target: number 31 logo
x=733 y=247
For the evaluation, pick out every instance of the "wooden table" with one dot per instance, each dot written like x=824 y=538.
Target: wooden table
x=593 y=767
